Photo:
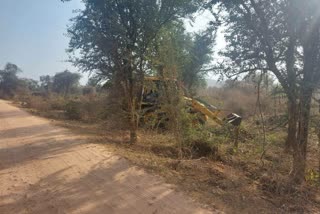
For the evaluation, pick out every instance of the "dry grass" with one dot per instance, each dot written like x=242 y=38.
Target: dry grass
x=242 y=182
x=87 y=108
x=242 y=99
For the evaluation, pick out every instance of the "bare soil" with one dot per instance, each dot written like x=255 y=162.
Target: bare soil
x=233 y=182
x=48 y=169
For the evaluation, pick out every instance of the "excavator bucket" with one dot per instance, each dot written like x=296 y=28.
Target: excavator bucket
x=233 y=119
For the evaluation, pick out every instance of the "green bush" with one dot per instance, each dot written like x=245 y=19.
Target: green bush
x=73 y=110
x=196 y=137
x=199 y=141
x=57 y=103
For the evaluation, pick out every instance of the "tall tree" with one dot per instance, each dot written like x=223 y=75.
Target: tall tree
x=46 y=83
x=199 y=57
x=29 y=84
x=281 y=37
x=113 y=37
x=64 y=81
x=9 y=80
x=190 y=52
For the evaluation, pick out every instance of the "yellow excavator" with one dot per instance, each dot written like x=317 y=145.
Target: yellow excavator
x=150 y=103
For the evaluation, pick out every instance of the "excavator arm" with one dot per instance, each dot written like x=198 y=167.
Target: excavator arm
x=213 y=113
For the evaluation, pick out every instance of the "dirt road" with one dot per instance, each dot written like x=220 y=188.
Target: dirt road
x=46 y=169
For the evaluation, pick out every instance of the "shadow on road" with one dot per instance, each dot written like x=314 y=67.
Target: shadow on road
x=13 y=114
x=49 y=170
x=110 y=186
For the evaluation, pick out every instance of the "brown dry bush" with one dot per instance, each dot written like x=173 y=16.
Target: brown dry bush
x=84 y=108
x=37 y=103
x=240 y=99
x=90 y=109
x=57 y=102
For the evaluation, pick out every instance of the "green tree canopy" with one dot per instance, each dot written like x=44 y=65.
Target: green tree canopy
x=64 y=81
x=46 y=83
x=29 y=84
x=112 y=38
x=9 y=80
x=188 y=53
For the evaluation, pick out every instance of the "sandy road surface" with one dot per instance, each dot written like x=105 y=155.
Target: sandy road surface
x=46 y=169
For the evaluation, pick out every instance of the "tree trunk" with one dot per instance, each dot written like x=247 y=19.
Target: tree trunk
x=292 y=125
x=132 y=110
x=318 y=134
x=135 y=108
x=236 y=138
x=300 y=145
x=133 y=131
x=292 y=80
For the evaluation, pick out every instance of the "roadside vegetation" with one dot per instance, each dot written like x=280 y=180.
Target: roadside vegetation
x=210 y=169
x=269 y=76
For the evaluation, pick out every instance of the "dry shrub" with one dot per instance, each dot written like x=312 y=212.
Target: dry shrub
x=239 y=102
x=4 y=95
x=165 y=151
x=115 y=111
x=240 y=99
x=92 y=108
x=38 y=103
x=86 y=108
x=190 y=150
x=73 y=110
x=199 y=142
x=57 y=102
x=203 y=149
x=44 y=104
x=275 y=185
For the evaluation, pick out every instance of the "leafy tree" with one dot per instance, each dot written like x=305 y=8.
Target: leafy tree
x=46 y=83
x=191 y=53
x=113 y=37
x=281 y=37
x=9 y=81
x=171 y=46
x=195 y=67
x=29 y=84
x=64 y=81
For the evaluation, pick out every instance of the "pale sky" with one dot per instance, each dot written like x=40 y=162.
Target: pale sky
x=201 y=22
x=33 y=35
